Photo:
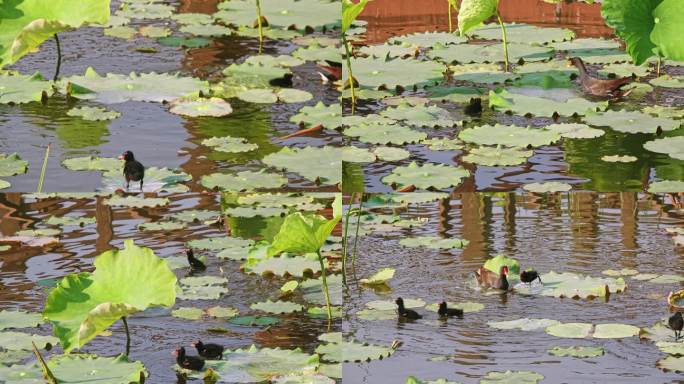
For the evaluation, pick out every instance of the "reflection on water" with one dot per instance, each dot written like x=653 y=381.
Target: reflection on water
x=579 y=232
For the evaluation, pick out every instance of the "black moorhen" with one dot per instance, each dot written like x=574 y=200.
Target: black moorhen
x=195 y=263
x=474 y=108
x=332 y=70
x=448 y=312
x=600 y=87
x=406 y=313
x=209 y=351
x=529 y=276
x=133 y=170
x=676 y=323
x=188 y=362
x=489 y=279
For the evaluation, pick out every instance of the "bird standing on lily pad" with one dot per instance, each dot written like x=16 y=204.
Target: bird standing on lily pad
x=601 y=87
x=133 y=169
x=676 y=323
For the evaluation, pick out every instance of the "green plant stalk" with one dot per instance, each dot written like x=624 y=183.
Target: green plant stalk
x=326 y=291
x=59 y=58
x=43 y=170
x=347 y=50
x=451 y=28
x=658 y=67
x=128 y=336
x=505 y=40
x=345 y=236
x=47 y=374
x=356 y=235
x=261 y=30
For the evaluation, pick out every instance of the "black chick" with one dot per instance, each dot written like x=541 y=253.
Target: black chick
x=188 y=362
x=209 y=351
x=406 y=313
x=448 y=312
x=474 y=108
x=529 y=276
x=195 y=263
x=676 y=323
x=133 y=169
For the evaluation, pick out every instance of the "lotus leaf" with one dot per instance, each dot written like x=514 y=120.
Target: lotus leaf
x=600 y=56
x=615 y=331
x=268 y=96
x=19 y=319
x=668 y=81
x=201 y=107
x=274 y=199
x=105 y=370
x=380 y=277
x=389 y=305
x=115 y=88
x=660 y=331
x=633 y=23
x=624 y=70
x=218 y=243
x=427 y=39
x=420 y=116
x=489 y=53
x=668 y=279
x=667 y=27
x=586 y=43
x=671 y=363
x=4 y=184
x=270 y=33
x=427 y=175
x=254 y=321
x=124 y=282
x=443 y=144
x=30 y=241
x=347 y=351
x=222 y=312
x=645 y=276
x=317 y=14
x=12 y=358
x=673 y=146
x=570 y=330
x=389 y=51
x=17 y=341
x=467 y=306
x=414 y=380
x=621 y=272
x=524 y=324
x=574 y=285
x=192 y=18
x=229 y=144
x=282 y=266
x=377 y=315
x=497 y=156
x=39 y=232
x=320 y=165
x=523 y=33
x=551 y=74
x=495 y=263
x=243 y=181
x=389 y=73
x=575 y=131
x=202 y=288
x=206 y=30
x=353 y=154
x=631 y=122
x=310 y=378
x=381 y=133
x=17 y=88
x=317 y=52
x=122 y=32
x=145 y=10
x=661 y=111
x=329 y=116
x=194 y=215
x=546 y=187
x=433 y=242
x=472 y=13
x=312 y=290
x=391 y=153
x=520 y=104
x=255 y=211
x=161 y=226
x=91 y=163
x=186 y=42
x=512 y=377
x=453 y=94
x=577 y=351
x=509 y=135
x=480 y=73
x=136 y=202
x=12 y=164
x=93 y=113
x=251 y=75
x=188 y=313
x=277 y=307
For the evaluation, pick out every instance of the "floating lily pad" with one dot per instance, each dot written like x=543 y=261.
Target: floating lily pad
x=218 y=243
x=671 y=363
x=70 y=369
x=390 y=305
x=443 y=144
x=229 y=144
x=351 y=154
x=517 y=377
x=121 y=31
x=466 y=306
x=672 y=146
x=577 y=351
x=433 y=242
x=12 y=164
x=277 y=307
x=497 y=156
x=489 y=53
x=389 y=51
x=329 y=116
x=347 y=351
x=631 y=122
x=546 y=187
x=480 y=73
x=520 y=104
x=274 y=199
x=92 y=163
x=495 y=263
x=30 y=241
x=524 y=324
x=453 y=94
x=254 y=321
x=187 y=42
x=619 y=159
x=206 y=30
x=269 y=96
x=523 y=33
x=154 y=31
x=389 y=73
x=40 y=232
x=621 y=272
x=317 y=52
x=615 y=331
x=662 y=111
x=391 y=153
x=161 y=226
x=18 y=89
x=573 y=285
x=243 y=181
x=509 y=135
x=427 y=175
x=136 y=202
x=666 y=186
x=551 y=74
x=377 y=315
x=624 y=70
x=192 y=18
x=570 y=330
x=222 y=312
x=194 y=215
x=575 y=131
x=420 y=115
x=380 y=277
x=320 y=165
x=255 y=211
x=315 y=14
x=668 y=81
x=19 y=319
x=312 y=290
x=78 y=221
x=214 y=107
x=428 y=39
x=4 y=184
x=202 y=288
x=414 y=380
x=309 y=378
x=283 y=266
x=16 y=341
x=382 y=133
x=189 y=313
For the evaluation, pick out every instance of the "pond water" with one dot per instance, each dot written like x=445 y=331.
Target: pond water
x=27 y=274
x=584 y=233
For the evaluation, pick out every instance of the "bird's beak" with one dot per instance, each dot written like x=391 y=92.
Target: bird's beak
x=174 y=353
x=121 y=157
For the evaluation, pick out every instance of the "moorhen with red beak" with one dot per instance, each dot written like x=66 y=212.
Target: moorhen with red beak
x=195 y=264
x=448 y=312
x=209 y=351
x=133 y=169
x=529 y=276
x=600 y=87
x=489 y=279
x=188 y=362
x=676 y=323
x=406 y=313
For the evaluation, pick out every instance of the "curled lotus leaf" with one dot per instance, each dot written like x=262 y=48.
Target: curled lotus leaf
x=218 y=243
x=388 y=73
x=214 y=107
x=420 y=115
x=383 y=133
x=472 y=13
x=348 y=351
x=353 y=154
x=497 y=156
x=316 y=164
x=577 y=351
x=329 y=116
x=524 y=324
x=427 y=39
x=12 y=164
x=380 y=277
x=615 y=331
x=520 y=104
x=433 y=242
x=570 y=330
x=631 y=122
x=391 y=153
x=93 y=113
x=489 y=53
x=427 y=175
x=668 y=81
x=575 y=131
x=316 y=14
x=666 y=186
x=509 y=135
x=277 y=307
x=116 y=88
x=517 y=377
x=137 y=202
x=465 y=306
x=672 y=146
x=243 y=181
x=18 y=89
x=523 y=33
x=19 y=319
x=230 y=144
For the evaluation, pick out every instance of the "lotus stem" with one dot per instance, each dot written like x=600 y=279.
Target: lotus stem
x=356 y=235
x=261 y=30
x=59 y=58
x=658 y=67
x=505 y=40
x=347 y=50
x=47 y=374
x=326 y=291
x=128 y=336
x=345 y=237
x=451 y=28
x=41 y=180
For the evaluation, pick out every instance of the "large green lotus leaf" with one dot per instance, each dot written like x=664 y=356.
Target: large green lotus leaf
x=489 y=53
x=274 y=199
x=218 y=243
x=509 y=135
x=92 y=163
x=317 y=14
x=124 y=282
x=520 y=104
x=631 y=122
x=380 y=277
x=19 y=319
x=495 y=263
x=512 y=377
x=668 y=81
x=615 y=331
x=348 y=351
x=137 y=202
x=523 y=33
x=301 y=233
x=255 y=211
x=100 y=370
x=93 y=113
x=454 y=94
x=391 y=153
x=243 y=181
x=671 y=363
x=524 y=324
x=472 y=13
x=316 y=52
x=19 y=341
x=230 y=144
x=12 y=164
x=624 y=70
x=427 y=39
x=466 y=306
x=570 y=330
x=497 y=156
x=329 y=116
x=382 y=133
x=427 y=175
x=27 y=24
x=312 y=290
x=115 y=88
x=420 y=115
x=276 y=307
x=572 y=285
x=575 y=131
x=389 y=73
x=666 y=186
x=320 y=165
x=633 y=22
x=490 y=73
x=433 y=242
x=577 y=351
x=546 y=187
x=214 y=107
x=17 y=88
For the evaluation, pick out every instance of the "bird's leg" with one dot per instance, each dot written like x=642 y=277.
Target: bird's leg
x=128 y=182
x=141 y=184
